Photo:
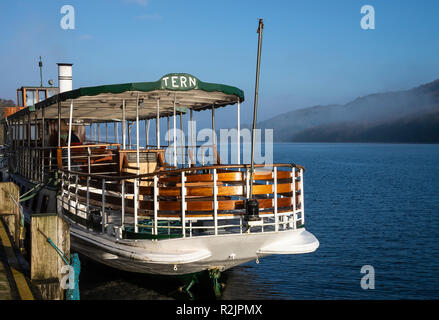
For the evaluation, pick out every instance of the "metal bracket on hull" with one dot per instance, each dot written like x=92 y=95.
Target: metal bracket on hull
x=214 y=275
x=304 y=242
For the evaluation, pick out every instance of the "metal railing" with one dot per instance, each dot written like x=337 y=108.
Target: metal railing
x=186 y=202
x=35 y=164
x=200 y=200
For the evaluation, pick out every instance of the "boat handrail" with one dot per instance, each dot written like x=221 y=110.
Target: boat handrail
x=175 y=171
x=91 y=145
x=158 y=200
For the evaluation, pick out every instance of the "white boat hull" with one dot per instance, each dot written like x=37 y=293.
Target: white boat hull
x=188 y=255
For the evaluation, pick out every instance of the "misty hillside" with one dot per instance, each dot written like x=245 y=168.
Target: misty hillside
x=417 y=128
x=403 y=116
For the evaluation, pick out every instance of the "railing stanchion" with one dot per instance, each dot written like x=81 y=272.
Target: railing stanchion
x=88 y=196
x=276 y=218
x=302 y=204
x=183 y=204
x=103 y=218
x=293 y=188
x=156 y=204
x=136 y=204
x=88 y=181
x=76 y=194
x=123 y=204
x=68 y=188
x=247 y=183
x=215 y=201
x=62 y=189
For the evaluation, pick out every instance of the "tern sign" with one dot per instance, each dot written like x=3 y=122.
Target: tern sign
x=179 y=81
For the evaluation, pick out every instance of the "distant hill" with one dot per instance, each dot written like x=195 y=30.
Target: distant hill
x=402 y=116
x=4 y=103
x=417 y=128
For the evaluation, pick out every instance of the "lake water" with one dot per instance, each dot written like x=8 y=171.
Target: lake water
x=368 y=204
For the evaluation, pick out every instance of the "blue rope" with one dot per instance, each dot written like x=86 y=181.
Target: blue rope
x=58 y=251
x=71 y=294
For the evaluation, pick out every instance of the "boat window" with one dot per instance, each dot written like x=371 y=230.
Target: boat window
x=20 y=98
x=31 y=97
x=41 y=95
x=32 y=132
x=51 y=92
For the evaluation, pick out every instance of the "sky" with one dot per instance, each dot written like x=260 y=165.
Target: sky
x=314 y=52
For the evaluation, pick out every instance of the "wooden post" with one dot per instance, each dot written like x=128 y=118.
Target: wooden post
x=46 y=263
x=9 y=210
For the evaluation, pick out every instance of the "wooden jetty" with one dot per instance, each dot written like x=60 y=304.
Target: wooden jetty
x=40 y=275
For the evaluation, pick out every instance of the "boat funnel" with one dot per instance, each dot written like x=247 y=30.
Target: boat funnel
x=64 y=77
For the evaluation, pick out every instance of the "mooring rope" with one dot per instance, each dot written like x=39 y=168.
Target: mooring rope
x=71 y=294
x=34 y=191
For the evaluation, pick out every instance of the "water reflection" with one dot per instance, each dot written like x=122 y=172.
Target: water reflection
x=99 y=282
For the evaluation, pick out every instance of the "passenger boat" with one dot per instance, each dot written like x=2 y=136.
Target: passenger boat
x=150 y=208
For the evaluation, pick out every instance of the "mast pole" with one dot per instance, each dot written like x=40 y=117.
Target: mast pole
x=252 y=204
x=255 y=107
x=40 y=64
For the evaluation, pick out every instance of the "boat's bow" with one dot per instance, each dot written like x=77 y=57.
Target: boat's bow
x=295 y=243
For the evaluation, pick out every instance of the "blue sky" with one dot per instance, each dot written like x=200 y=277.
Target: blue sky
x=314 y=52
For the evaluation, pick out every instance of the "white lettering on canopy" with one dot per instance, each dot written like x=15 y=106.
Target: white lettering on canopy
x=183 y=81
x=179 y=81
x=174 y=82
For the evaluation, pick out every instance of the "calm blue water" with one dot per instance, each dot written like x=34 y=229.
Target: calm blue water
x=368 y=204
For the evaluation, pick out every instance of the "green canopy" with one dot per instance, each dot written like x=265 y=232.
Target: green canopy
x=104 y=102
